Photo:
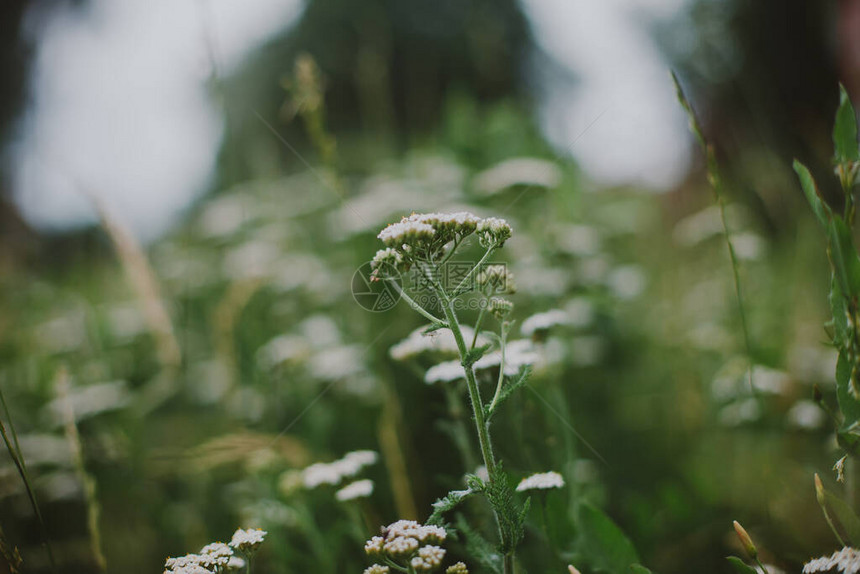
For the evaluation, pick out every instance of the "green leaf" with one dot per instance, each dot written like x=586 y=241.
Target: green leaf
x=839 y=310
x=740 y=566
x=478 y=548
x=639 y=569
x=849 y=406
x=500 y=493
x=841 y=517
x=845 y=130
x=447 y=503
x=691 y=115
x=810 y=190
x=508 y=389
x=843 y=256
x=474 y=355
x=603 y=542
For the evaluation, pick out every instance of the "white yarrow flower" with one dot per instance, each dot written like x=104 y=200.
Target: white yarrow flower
x=354 y=490
x=541 y=481
x=446 y=372
x=846 y=561
x=247 y=540
x=544 y=321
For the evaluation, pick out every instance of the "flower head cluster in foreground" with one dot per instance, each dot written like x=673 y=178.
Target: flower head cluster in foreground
x=541 y=481
x=217 y=557
x=846 y=561
x=406 y=544
x=423 y=237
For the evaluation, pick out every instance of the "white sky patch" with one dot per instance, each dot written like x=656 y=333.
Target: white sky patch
x=119 y=106
x=620 y=120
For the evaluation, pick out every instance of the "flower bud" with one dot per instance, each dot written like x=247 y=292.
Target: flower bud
x=745 y=539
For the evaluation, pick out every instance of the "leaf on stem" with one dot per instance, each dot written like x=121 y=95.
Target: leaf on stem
x=447 y=503
x=843 y=256
x=508 y=390
x=839 y=515
x=845 y=130
x=740 y=566
x=603 y=542
x=810 y=190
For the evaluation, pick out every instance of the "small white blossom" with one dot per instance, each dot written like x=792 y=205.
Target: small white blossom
x=445 y=373
x=377 y=569
x=374 y=545
x=457 y=568
x=440 y=341
x=846 y=561
x=400 y=546
x=544 y=321
x=805 y=414
x=528 y=171
x=405 y=233
x=247 y=540
x=493 y=231
x=541 y=481
x=235 y=563
x=332 y=473
x=429 y=558
x=357 y=489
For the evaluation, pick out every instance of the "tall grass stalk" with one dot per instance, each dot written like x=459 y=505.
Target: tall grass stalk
x=716 y=181
x=62 y=388
x=13 y=447
x=145 y=284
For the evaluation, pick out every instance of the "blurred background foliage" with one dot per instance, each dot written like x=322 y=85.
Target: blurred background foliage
x=279 y=368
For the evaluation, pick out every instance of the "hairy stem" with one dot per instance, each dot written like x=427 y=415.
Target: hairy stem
x=477 y=408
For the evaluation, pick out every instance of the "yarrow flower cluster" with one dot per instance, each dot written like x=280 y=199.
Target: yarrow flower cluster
x=247 y=541
x=541 y=322
x=217 y=557
x=353 y=490
x=493 y=231
x=846 y=561
x=440 y=341
x=518 y=354
x=411 y=545
x=423 y=236
x=541 y=481
x=329 y=473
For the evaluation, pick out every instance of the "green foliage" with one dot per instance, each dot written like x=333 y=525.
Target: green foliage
x=499 y=491
x=474 y=355
x=810 y=190
x=740 y=566
x=509 y=389
x=446 y=504
x=845 y=130
x=602 y=542
x=478 y=547
x=840 y=516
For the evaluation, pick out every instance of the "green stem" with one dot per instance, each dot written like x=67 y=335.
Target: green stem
x=412 y=303
x=478 y=411
x=504 y=337
x=760 y=565
x=450 y=253
x=464 y=284
x=478 y=326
